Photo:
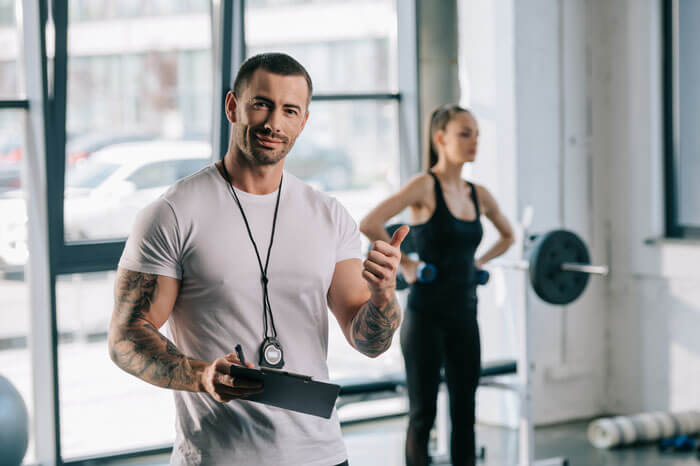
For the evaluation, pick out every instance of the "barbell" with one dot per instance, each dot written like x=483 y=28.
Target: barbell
x=557 y=262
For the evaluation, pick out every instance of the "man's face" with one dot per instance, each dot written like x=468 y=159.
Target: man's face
x=268 y=116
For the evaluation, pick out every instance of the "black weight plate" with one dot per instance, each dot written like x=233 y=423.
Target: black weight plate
x=550 y=282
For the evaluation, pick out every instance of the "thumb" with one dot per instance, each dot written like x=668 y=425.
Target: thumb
x=399 y=235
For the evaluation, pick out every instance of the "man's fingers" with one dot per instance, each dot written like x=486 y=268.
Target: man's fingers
x=223 y=390
x=231 y=357
x=371 y=278
x=223 y=379
x=377 y=270
x=379 y=258
x=387 y=249
x=242 y=382
x=225 y=394
x=399 y=235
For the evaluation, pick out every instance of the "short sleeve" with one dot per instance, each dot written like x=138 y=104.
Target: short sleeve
x=347 y=234
x=154 y=243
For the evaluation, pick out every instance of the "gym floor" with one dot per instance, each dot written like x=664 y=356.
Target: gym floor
x=380 y=443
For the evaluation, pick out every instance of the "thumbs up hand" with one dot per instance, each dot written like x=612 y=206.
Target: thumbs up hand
x=382 y=265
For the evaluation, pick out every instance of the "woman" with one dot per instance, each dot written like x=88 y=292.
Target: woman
x=440 y=327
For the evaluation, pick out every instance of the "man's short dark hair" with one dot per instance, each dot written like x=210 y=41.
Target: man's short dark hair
x=277 y=63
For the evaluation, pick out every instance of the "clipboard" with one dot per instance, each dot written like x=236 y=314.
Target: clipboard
x=288 y=390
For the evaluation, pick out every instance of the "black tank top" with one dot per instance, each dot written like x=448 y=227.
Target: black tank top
x=448 y=242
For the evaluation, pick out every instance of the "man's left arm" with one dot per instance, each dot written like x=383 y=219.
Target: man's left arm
x=362 y=296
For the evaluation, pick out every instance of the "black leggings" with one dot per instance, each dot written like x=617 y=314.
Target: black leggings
x=435 y=335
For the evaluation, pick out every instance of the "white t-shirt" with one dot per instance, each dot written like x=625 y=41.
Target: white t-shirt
x=195 y=233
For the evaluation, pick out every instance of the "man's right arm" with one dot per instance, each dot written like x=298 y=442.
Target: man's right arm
x=142 y=304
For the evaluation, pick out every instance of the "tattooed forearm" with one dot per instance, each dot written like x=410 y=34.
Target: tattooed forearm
x=374 y=327
x=136 y=345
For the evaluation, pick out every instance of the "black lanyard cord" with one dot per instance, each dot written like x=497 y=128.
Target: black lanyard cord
x=267 y=308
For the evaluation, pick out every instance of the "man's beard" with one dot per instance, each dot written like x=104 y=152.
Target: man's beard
x=246 y=141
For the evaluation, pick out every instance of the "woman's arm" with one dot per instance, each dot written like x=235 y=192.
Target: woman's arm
x=493 y=213
x=412 y=193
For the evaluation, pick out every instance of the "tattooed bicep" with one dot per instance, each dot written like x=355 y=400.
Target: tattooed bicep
x=134 y=292
x=139 y=295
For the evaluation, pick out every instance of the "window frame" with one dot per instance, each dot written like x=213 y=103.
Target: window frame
x=671 y=126
x=45 y=105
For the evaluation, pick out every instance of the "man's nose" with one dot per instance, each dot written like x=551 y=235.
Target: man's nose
x=274 y=121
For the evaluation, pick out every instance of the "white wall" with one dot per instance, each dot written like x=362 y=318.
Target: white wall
x=568 y=96
x=654 y=290
x=525 y=74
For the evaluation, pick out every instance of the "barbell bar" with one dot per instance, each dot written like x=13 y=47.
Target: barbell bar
x=567 y=266
x=557 y=261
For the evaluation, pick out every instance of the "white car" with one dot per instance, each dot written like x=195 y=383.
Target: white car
x=105 y=192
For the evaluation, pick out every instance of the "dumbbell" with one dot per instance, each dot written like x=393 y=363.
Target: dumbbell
x=427 y=273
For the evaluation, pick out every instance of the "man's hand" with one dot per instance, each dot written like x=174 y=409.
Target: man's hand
x=382 y=265
x=216 y=381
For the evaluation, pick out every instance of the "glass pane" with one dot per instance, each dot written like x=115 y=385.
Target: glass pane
x=15 y=329
x=103 y=409
x=348 y=46
x=9 y=52
x=133 y=105
x=689 y=113
x=358 y=171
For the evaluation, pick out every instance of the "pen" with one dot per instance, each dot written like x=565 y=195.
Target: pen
x=239 y=352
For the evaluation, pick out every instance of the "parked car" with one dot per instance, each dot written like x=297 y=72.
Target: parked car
x=10 y=156
x=82 y=146
x=104 y=193
x=78 y=147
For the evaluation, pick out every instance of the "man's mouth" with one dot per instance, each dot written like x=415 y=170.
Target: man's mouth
x=265 y=141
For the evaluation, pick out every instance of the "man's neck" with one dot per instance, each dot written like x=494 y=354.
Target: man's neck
x=253 y=179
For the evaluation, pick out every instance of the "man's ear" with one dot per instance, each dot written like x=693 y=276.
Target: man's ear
x=303 y=123
x=230 y=106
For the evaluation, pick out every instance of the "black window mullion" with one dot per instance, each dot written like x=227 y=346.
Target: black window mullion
x=354 y=97
x=14 y=103
x=670 y=157
x=86 y=258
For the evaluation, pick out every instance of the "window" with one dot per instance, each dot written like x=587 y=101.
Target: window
x=9 y=48
x=103 y=409
x=134 y=99
x=15 y=328
x=350 y=146
x=138 y=115
x=132 y=107
x=682 y=146
x=15 y=298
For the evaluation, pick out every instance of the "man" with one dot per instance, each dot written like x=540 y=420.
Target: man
x=244 y=253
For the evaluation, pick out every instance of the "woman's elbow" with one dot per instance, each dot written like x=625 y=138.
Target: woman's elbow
x=366 y=226
x=508 y=240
